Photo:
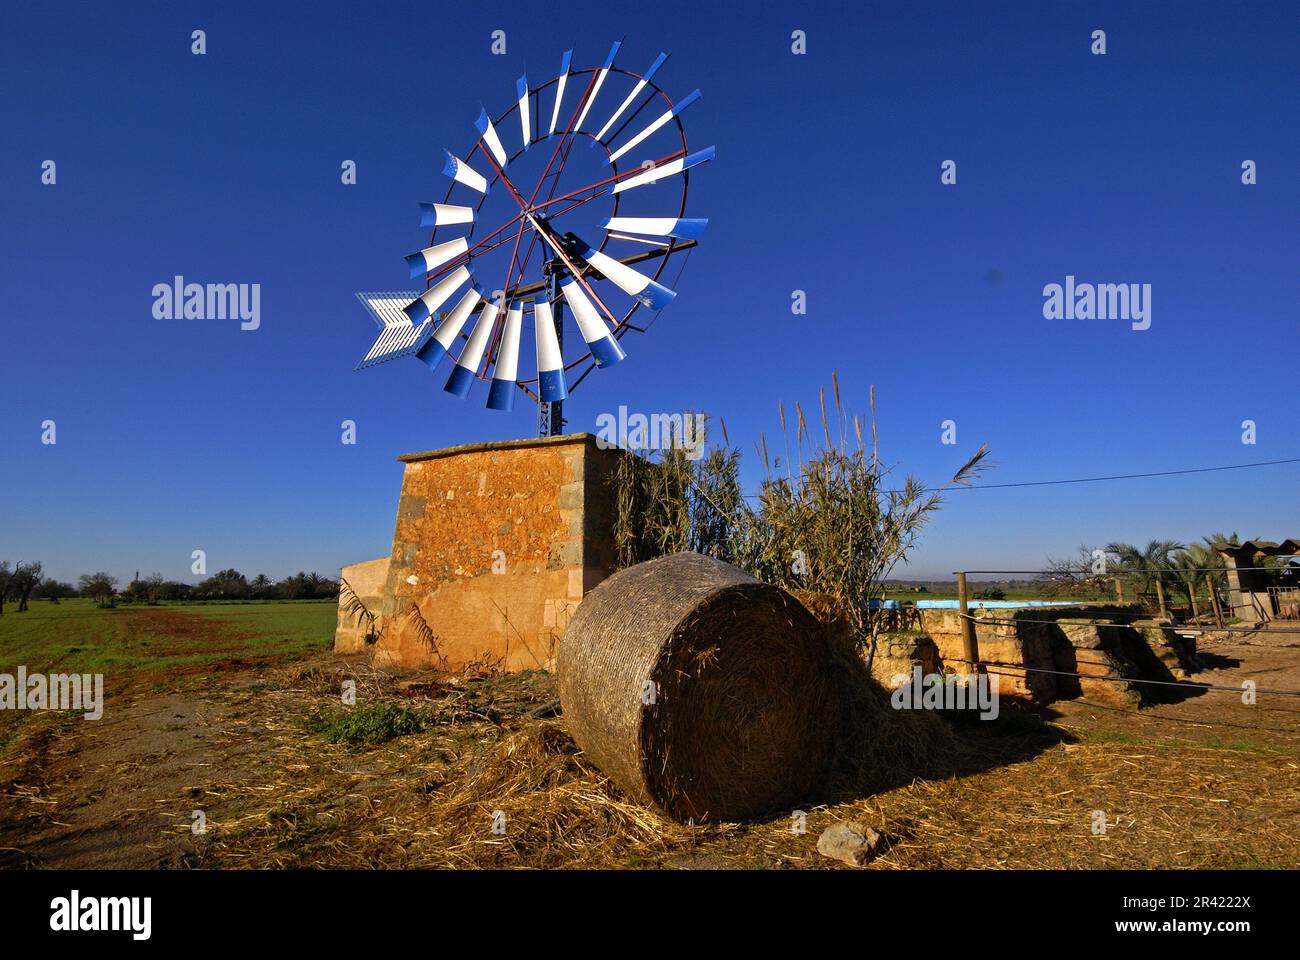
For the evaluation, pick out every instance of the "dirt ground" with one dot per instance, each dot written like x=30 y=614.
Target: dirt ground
x=1206 y=781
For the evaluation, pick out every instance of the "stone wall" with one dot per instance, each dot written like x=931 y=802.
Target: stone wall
x=898 y=650
x=367 y=580
x=494 y=547
x=1005 y=639
x=1033 y=650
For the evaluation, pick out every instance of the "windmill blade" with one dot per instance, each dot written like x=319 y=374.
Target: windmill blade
x=462 y=375
x=525 y=121
x=436 y=347
x=604 y=348
x=649 y=292
x=550 y=359
x=672 y=168
x=444 y=214
x=397 y=336
x=600 y=82
x=489 y=135
x=481 y=338
x=501 y=395
x=559 y=90
x=655 y=125
x=636 y=91
x=663 y=244
x=427 y=303
x=462 y=172
x=431 y=258
x=683 y=229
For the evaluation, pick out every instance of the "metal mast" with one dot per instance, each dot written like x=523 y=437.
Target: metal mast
x=550 y=415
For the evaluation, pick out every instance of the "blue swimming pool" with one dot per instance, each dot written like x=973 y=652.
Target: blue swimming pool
x=986 y=604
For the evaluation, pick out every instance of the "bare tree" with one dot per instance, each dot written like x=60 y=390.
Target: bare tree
x=1087 y=573
x=100 y=587
x=153 y=587
x=25 y=578
x=6 y=575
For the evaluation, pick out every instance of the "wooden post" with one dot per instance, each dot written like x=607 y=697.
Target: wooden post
x=1214 y=599
x=1160 y=595
x=1119 y=589
x=1191 y=595
x=970 y=647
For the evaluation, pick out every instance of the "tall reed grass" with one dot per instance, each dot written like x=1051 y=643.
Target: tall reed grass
x=824 y=518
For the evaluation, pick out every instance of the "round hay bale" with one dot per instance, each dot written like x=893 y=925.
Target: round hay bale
x=700 y=690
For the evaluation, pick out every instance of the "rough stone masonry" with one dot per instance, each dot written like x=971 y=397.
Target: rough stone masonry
x=494 y=547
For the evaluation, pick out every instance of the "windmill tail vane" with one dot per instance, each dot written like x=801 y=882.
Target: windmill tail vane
x=548 y=270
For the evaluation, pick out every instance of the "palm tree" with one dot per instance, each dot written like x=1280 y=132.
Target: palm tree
x=1193 y=564
x=1147 y=565
x=1214 y=560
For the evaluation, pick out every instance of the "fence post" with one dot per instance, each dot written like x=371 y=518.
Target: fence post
x=970 y=648
x=1119 y=589
x=1160 y=595
x=1214 y=599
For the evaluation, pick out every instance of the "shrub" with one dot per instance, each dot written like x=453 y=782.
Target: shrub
x=825 y=517
x=367 y=726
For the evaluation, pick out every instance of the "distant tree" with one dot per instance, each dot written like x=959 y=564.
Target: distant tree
x=296 y=587
x=6 y=575
x=100 y=587
x=153 y=587
x=54 y=591
x=25 y=578
x=307 y=586
x=225 y=585
x=263 y=587
x=324 y=588
x=174 y=590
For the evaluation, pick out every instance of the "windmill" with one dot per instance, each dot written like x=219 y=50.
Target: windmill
x=498 y=219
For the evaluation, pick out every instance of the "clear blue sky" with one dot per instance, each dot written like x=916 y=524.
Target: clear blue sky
x=176 y=435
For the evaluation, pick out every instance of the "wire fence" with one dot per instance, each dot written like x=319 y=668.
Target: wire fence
x=1002 y=668
x=1099 y=479
x=1181 y=628
x=1269 y=593
x=1188 y=685
x=1117 y=571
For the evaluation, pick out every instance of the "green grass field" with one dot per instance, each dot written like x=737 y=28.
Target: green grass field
x=163 y=642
